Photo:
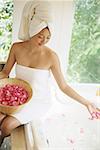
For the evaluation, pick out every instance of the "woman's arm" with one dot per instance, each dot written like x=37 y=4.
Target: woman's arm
x=56 y=70
x=9 y=64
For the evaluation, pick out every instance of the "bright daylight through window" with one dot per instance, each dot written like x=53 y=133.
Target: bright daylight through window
x=6 y=20
x=84 y=54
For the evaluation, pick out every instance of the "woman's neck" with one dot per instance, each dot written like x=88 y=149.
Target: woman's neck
x=33 y=47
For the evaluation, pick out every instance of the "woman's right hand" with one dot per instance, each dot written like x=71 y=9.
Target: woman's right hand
x=95 y=113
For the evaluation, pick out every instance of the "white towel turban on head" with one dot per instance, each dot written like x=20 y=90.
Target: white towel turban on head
x=36 y=16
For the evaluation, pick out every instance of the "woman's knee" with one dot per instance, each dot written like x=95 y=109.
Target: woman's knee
x=2 y=116
x=8 y=124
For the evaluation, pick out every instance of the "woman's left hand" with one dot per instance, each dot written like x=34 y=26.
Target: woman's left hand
x=95 y=112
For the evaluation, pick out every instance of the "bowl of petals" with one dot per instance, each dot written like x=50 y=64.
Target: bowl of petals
x=14 y=95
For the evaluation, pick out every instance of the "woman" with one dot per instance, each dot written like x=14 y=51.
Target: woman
x=35 y=58
x=33 y=63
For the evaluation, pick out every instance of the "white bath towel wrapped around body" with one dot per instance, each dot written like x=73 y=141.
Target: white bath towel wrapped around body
x=36 y=15
x=41 y=101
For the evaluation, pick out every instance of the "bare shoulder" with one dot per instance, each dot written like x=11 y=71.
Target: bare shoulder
x=52 y=54
x=17 y=47
x=18 y=44
x=53 y=58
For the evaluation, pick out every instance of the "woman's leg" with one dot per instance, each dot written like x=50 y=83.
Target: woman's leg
x=7 y=125
x=2 y=116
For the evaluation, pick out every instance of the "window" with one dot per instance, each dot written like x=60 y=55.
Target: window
x=6 y=10
x=84 y=54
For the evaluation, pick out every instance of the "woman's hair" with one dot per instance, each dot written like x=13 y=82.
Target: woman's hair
x=48 y=29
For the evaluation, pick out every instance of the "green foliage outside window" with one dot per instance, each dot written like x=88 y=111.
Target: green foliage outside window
x=84 y=55
x=6 y=15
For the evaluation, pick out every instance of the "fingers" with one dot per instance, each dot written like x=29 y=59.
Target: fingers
x=95 y=112
x=95 y=115
x=98 y=115
x=98 y=109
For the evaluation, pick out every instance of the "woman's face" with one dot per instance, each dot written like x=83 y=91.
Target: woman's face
x=42 y=37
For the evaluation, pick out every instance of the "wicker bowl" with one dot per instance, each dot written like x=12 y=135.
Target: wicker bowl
x=15 y=81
